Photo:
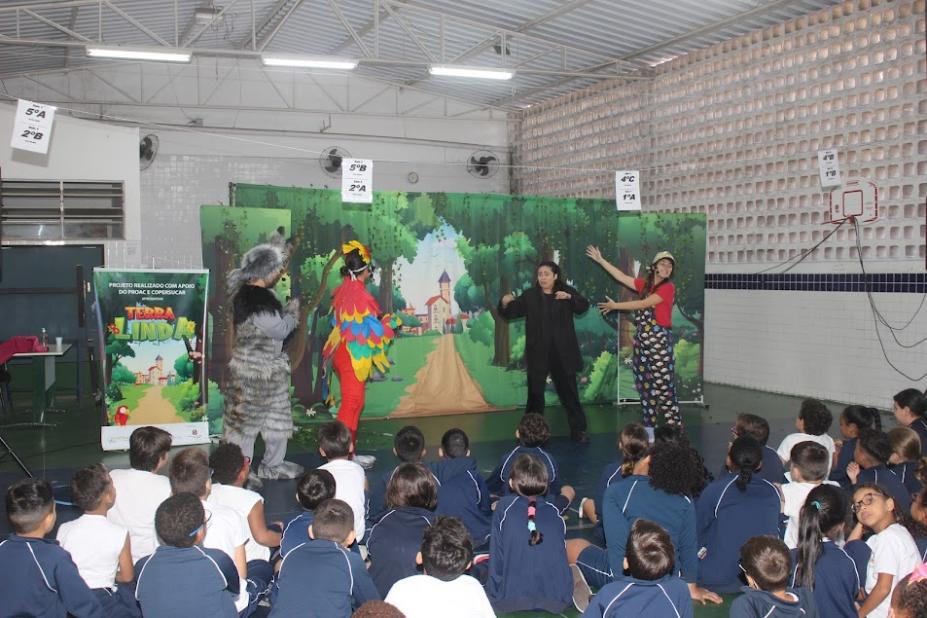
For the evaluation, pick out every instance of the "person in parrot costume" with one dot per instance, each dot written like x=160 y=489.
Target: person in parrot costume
x=359 y=334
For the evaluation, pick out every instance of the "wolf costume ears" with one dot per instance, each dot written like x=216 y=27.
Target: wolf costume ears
x=261 y=262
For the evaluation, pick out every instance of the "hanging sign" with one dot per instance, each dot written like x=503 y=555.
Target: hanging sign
x=32 y=126
x=357 y=181
x=829 y=167
x=627 y=190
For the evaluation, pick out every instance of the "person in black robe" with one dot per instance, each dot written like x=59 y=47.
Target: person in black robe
x=551 y=347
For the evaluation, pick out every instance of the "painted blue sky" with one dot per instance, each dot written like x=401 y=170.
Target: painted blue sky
x=419 y=279
x=145 y=354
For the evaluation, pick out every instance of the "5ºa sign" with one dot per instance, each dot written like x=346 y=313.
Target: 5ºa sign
x=32 y=126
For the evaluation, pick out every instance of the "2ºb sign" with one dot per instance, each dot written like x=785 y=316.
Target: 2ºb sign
x=32 y=126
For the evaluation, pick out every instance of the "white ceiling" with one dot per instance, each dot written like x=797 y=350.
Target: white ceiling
x=555 y=46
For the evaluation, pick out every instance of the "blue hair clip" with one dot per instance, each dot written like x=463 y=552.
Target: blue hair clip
x=531 y=525
x=816 y=504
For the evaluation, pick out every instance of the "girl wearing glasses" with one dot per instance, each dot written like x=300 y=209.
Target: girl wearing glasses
x=894 y=553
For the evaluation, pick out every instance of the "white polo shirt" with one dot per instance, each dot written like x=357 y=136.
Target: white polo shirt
x=241 y=501
x=138 y=496
x=94 y=544
x=423 y=596
x=225 y=531
x=349 y=486
x=893 y=552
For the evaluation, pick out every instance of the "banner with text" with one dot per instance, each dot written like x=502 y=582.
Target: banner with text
x=152 y=329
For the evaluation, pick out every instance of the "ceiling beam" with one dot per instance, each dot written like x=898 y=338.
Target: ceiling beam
x=136 y=23
x=57 y=26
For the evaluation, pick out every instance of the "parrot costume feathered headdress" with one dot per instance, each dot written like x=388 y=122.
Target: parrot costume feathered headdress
x=356 y=322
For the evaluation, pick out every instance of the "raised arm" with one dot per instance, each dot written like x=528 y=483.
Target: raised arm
x=596 y=256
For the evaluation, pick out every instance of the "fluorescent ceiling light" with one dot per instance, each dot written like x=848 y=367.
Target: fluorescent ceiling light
x=447 y=70
x=129 y=53
x=308 y=62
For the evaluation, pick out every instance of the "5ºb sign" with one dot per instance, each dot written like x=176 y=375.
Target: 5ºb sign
x=357 y=181
x=32 y=126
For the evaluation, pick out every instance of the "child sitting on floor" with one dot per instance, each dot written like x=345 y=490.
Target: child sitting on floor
x=767 y=565
x=408 y=447
x=730 y=511
x=140 y=489
x=821 y=564
x=658 y=494
x=808 y=469
x=650 y=589
x=757 y=428
x=894 y=552
x=462 y=492
x=320 y=577
x=394 y=541
x=100 y=549
x=230 y=470
x=39 y=578
x=532 y=433
x=312 y=489
x=528 y=567
x=337 y=448
x=853 y=420
x=633 y=444
x=443 y=590
x=906 y=457
x=873 y=451
x=813 y=423
x=181 y=578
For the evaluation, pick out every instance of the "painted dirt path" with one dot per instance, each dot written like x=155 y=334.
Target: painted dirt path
x=442 y=386
x=154 y=409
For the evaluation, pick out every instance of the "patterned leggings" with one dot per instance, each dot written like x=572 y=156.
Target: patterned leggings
x=654 y=370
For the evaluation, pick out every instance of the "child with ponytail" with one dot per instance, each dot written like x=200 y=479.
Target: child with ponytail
x=633 y=444
x=734 y=508
x=909 y=600
x=853 y=420
x=820 y=564
x=528 y=567
x=906 y=457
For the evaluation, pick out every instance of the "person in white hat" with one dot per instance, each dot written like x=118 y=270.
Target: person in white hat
x=653 y=361
x=257 y=392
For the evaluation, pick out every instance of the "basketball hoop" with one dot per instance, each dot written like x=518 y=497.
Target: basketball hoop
x=855 y=198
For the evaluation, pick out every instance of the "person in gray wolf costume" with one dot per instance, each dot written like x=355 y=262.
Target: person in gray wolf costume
x=257 y=397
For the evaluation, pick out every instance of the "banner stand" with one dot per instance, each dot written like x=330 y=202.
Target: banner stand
x=152 y=353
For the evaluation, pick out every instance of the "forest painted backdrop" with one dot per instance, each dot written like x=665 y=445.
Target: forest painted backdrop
x=443 y=261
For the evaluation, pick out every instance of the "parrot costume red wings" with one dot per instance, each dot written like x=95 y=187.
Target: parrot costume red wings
x=355 y=325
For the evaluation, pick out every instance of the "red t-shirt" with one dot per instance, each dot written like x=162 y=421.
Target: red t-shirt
x=663 y=312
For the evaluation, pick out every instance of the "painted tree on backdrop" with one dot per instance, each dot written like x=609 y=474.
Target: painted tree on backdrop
x=496 y=253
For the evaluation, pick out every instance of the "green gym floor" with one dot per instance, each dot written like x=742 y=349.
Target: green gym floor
x=75 y=441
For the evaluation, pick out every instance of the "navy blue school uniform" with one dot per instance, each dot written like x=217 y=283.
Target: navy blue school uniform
x=462 y=493
x=667 y=597
x=322 y=578
x=635 y=498
x=523 y=576
x=498 y=481
x=727 y=518
x=839 y=472
x=376 y=498
x=773 y=470
x=837 y=581
x=860 y=553
x=40 y=579
x=393 y=544
x=118 y=603
x=760 y=604
x=906 y=473
x=921 y=542
x=187 y=581
x=884 y=478
x=296 y=532
x=920 y=426
x=611 y=473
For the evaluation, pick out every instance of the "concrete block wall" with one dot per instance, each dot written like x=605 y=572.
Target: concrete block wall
x=733 y=131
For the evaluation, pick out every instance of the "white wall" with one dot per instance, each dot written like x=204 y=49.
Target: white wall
x=732 y=131
x=266 y=127
x=83 y=150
